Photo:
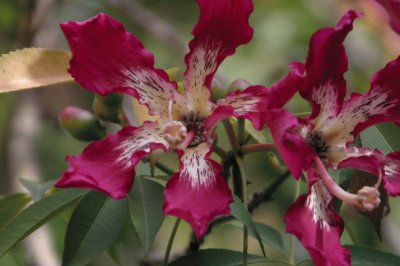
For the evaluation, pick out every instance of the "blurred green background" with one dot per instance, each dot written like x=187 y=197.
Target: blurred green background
x=33 y=146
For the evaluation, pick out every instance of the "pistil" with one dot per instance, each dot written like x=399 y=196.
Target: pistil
x=366 y=199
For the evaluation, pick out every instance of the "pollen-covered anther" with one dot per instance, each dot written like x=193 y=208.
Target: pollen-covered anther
x=368 y=198
x=175 y=133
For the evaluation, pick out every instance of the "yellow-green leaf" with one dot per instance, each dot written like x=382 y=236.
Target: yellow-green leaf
x=33 y=67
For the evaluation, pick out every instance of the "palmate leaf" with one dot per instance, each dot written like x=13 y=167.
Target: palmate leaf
x=240 y=212
x=36 y=215
x=145 y=207
x=32 y=68
x=216 y=257
x=94 y=225
x=11 y=205
x=364 y=256
x=269 y=235
x=384 y=137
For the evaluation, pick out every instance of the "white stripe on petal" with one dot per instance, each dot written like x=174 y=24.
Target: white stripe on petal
x=339 y=130
x=318 y=202
x=141 y=140
x=152 y=89
x=202 y=62
x=196 y=167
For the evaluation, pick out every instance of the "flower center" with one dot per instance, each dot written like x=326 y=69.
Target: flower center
x=175 y=133
x=315 y=140
x=195 y=124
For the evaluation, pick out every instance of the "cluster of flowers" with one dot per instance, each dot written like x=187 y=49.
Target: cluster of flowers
x=107 y=59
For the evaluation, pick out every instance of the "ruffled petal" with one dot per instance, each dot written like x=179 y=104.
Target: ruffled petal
x=375 y=163
x=108 y=165
x=313 y=221
x=197 y=193
x=106 y=58
x=223 y=25
x=393 y=9
x=326 y=63
x=282 y=91
x=248 y=104
x=380 y=104
x=291 y=146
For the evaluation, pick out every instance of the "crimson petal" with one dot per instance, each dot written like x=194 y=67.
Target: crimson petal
x=106 y=58
x=313 y=221
x=326 y=63
x=393 y=9
x=197 y=193
x=374 y=162
x=223 y=25
x=291 y=146
x=108 y=165
x=248 y=104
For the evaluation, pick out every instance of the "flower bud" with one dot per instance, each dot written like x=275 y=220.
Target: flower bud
x=81 y=124
x=108 y=108
x=172 y=72
x=219 y=92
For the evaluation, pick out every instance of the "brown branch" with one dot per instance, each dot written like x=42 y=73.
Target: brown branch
x=266 y=194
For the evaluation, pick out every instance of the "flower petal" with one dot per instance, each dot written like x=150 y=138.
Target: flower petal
x=291 y=146
x=326 y=63
x=374 y=162
x=223 y=25
x=248 y=104
x=393 y=9
x=282 y=91
x=313 y=221
x=380 y=104
x=106 y=58
x=198 y=193
x=108 y=165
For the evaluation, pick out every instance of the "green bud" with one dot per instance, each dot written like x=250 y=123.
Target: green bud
x=108 y=108
x=172 y=72
x=81 y=124
x=219 y=92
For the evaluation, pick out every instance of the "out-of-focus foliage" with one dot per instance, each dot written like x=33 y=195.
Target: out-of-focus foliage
x=282 y=31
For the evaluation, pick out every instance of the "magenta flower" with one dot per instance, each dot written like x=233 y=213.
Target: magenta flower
x=326 y=139
x=107 y=59
x=393 y=9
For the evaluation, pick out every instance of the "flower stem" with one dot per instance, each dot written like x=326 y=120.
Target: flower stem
x=292 y=238
x=249 y=148
x=231 y=135
x=241 y=131
x=171 y=241
x=243 y=197
x=331 y=185
x=161 y=166
x=266 y=194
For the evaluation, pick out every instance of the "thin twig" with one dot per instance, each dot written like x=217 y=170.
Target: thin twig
x=266 y=194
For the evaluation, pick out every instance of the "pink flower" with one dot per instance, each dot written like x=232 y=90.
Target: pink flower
x=326 y=139
x=393 y=9
x=107 y=59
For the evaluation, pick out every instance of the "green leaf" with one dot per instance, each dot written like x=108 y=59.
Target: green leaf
x=240 y=212
x=269 y=235
x=37 y=189
x=11 y=205
x=255 y=134
x=94 y=225
x=383 y=137
x=145 y=206
x=33 y=67
x=365 y=256
x=36 y=215
x=216 y=257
